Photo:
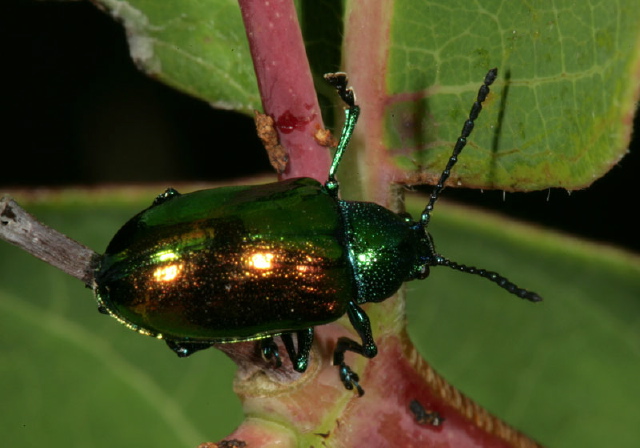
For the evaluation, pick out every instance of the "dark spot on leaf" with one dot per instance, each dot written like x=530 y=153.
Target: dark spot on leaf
x=423 y=416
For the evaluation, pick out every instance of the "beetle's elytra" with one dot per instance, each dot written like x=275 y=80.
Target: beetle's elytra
x=253 y=262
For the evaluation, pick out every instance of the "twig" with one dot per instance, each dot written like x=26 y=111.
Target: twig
x=21 y=229
x=286 y=85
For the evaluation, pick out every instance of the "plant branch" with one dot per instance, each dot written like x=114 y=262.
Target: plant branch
x=23 y=230
x=286 y=85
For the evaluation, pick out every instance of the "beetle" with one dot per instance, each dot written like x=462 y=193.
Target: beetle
x=249 y=263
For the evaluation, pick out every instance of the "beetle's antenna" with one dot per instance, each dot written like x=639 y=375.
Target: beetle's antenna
x=492 y=276
x=460 y=144
x=339 y=81
x=438 y=260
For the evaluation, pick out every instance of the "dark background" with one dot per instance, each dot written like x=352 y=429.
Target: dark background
x=77 y=112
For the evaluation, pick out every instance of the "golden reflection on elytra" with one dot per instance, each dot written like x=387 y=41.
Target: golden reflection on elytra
x=167 y=273
x=261 y=260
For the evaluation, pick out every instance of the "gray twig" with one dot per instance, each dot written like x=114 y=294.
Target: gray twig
x=21 y=229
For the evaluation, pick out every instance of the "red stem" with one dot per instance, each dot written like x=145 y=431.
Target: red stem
x=286 y=84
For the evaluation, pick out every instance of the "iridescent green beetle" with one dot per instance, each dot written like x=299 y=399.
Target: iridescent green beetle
x=253 y=262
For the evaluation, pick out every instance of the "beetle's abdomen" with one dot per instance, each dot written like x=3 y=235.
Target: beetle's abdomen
x=226 y=265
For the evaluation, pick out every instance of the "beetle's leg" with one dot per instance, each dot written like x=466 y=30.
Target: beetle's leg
x=299 y=358
x=339 y=82
x=361 y=324
x=269 y=351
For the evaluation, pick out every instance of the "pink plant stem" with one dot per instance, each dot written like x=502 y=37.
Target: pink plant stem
x=285 y=83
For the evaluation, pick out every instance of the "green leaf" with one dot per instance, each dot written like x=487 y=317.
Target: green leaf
x=560 y=112
x=559 y=116
x=564 y=370
x=199 y=47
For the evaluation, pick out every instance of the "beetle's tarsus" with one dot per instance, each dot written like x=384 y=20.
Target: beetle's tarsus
x=350 y=379
x=184 y=349
x=360 y=322
x=168 y=194
x=339 y=81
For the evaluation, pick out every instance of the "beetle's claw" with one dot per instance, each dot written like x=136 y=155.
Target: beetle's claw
x=350 y=379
